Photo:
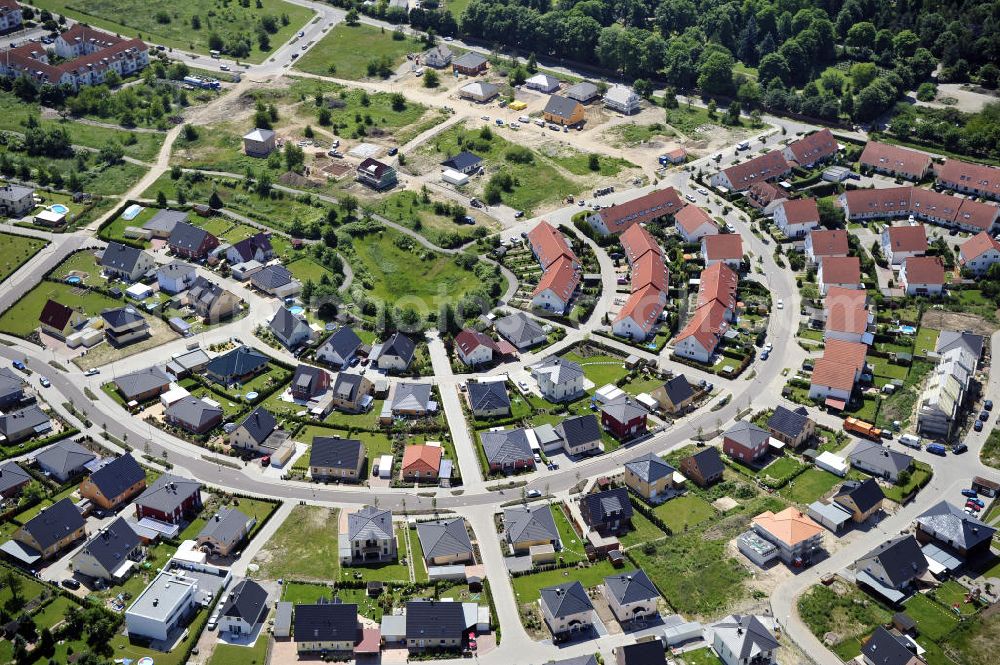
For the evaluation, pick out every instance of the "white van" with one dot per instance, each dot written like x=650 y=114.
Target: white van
x=523 y=118
x=910 y=440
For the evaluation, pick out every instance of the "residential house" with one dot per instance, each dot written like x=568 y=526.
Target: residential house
x=507 y=450
x=797 y=217
x=559 y=380
x=254 y=248
x=191 y=242
x=644 y=308
x=175 y=276
x=340 y=348
x=412 y=400
x=794 y=533
x=583 y=92
x=704 y=467
x=277 y=281
x=330 y=628
x=619 y=217
x=861 y=499
x=211 y=302
x=164 y=608
x=694 y=224
x=259 y=142
x=23 y=424
x=12 y=480
x=970 y=178
x=236 y=366
x=187 y=363
x=15 y=200
x=922 y=276
x=848 y=318
x=58 y=320
x=110 y=554
x=143 y=385
x=923 y=204
x=291 y=330
x=309 y=382
x=521 y=330
x=739 y=177
x=351 y=393
x=580 y=435
x=542 y=83
x=649 y=652
x=49 y=532
x=563 y=111
x=170 y=499
x=115 y=483
x=375 y=174
x=835 y=374
x=479 y=91
x=675 y=395
x=259 y=433
x=651 y=477
x=370 y=537
x=701 y=336
x=948 y=525
x=607 y=512
x=632 y=597
x=624 y=419
x=475 y=348
x=978 y=253
x=245 y=609
x=445 y=542
x=567 y=609
x=879 y=461
x=197 y=416
x=745 y=442
x=902 y=242
x=743 y=640
x=722 y=248
x=791 y=427
x=11 y=388
x=888 y=648
x=224 y=531
x=124 y=325
x=622 y=99
x=842 y=271
x=469 y=64
x=162 y=223
x=823 y=244
x=64 y=460
x=949 y=383
x=765 y=196
x=332 y=458
x=892 y=569
x=895 y=161
x=527 y=526
x=464 y=162
x=488 y=399
x=126 y=262
x=560 y=269
x=437 y=57
x=813 y=149
x=435 y=624
x=421 y=462
x=396 y=353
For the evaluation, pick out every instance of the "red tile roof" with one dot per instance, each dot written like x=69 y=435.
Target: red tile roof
x=650 y=270
x=422 y=458
x=924 y=270
x=827 y=372
x=887 y=201
x=718 y=283
x=829 y=243
x=469 y=340
x=813 y=148
x=762 y=193
x=898 y=201
x=887 y=157
x=637 y=241
x=801 y=211
x=977 y=214
x=707 y=325
x=691 y=217
x=907 y=238
x=959 y=174
x=561 y=277
x=977 y=245
x=841 y=270
x=645 y=208
x=26 y=57
x=846 y=310
x=722 y=247
x=769 y=165
x=9 y=4
x=549 y=244
x=849 y=354
x=644 y=307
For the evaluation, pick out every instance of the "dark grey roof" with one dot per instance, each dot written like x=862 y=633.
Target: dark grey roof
x=609 y=504
x=193 y=411
x=747 y=433
x=111 y=545
x=11 y=475
x=247 y=601
x=10 y=383
x=649 y=468
x=344 y=342
x=29 y=418
x=142 y=381
x=271 y=277
x=506 y=446
x=204 y=292
x=284 y=323
x=519 y=329
x=168 y=493
x=346 y=385
x=526 y=523
x=10 y=192
x=895 y=562
x=866 y=495
x=54 y=523
x=643 y=653
x=240 y=361
x=165 y=221
x=121 y=316
x=469 y=59
x=411 y=396
x=566 y=599
x=577 y=430
x=401 y=346
x=187 y=236
x=462 y=161
x=369 y=522
x=488 y=395
x=950 y=339
x=327 y=622
x=306 y=376
x=444 y=538
x=336 y=453
x=259 y=424
x=678 y=389
x=952 y=524
x=582 y=90
x=884 y=648
x=624 y=411
x=248 y=247
x=64 y=458
x=745 y=635
x=560 y=106
x=876 y=456
x=117 y=476
x=578 y=660
x=430 y=619
x=631 y=587
x=228 y=525
x=788 y=422
x=120 y=257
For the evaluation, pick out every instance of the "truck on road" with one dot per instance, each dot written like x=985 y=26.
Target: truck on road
x=862 y=428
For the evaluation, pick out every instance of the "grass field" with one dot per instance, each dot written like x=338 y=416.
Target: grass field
x=809 y=486
x=844 y=610
x=703 y=656
x=15 y=251
x=600 y=369
x=527 y=587
x=346 y=51
x=643 y=531
x=926 y=341
x=227 y=654
x=933 y=620
x=408 y=209
x=781 y=468
x=684 y=512
x=174 y=27
x=304 y=547
x=306 y=269
x=22 y=318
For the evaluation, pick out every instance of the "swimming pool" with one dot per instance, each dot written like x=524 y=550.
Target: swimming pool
x=297 y=309
x=73 y=279
x=251 y=396
x=907 y=330
x=131 y=212
x=59 y=208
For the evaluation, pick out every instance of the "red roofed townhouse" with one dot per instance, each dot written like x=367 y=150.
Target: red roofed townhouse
x=895 y=161
x=847 y=315
x=922 y=276
x=556 y=287
x=924 y=204
x=693 y=224
x=10 y=16
x=718 y=284
x=650 y=282
x=835 y=374
x=821 y=244
x=969 y=178
x=621 y=216
x=813 y=149
x=740 y=177
x=723 y=248
x=978 y=253
x=976 y=216
x=884 y=203
x=842 y=271
x=901 y=242
x=700 y=337
x=650 y=270
x=475 y=348
x=851 y=354
x=421 y=462
x=640 y=313
x=637 y=242
x=765 y=196
x=797 y=217
x=548 y=244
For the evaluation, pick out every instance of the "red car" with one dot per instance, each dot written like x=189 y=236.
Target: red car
x=472 y=641
x=971 y=504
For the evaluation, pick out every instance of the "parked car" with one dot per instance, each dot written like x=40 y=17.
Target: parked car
x=959 y=448
x=765 y=355
x=988 y=405
x=92 y=372
x=532 y=494
x=213 y=621
x=45 y=382
x=984 y=415
x=970 y=493
x=974 y=506
x=70 y=583
x=690 y=198
x=936 y=449
x=781 y=304
x=393 y=151
x=978 y=502
x=978 y=425
x=19 y=365
x=519 y=214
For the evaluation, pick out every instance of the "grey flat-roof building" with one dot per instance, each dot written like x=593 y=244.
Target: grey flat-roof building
x=163 y=608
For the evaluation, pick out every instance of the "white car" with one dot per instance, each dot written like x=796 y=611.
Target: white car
x=703 y=191
x=531 y=494
x=781 y=304
x=224 y=68
x=768 y=347
x=690 y=198
x=448 y=39
x=92 y=372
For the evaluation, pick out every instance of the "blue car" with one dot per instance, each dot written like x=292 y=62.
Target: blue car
x=978 y=502
x=19 y=365
x=764 y=355
x=969 y=493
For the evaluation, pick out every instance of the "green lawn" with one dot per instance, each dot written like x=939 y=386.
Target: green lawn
x=347 y=50
x=572 y=545
x=22 y=318
x=809 y=486
x=844 y=610
x=684 y=512
x=227 y=654
x=80 y=262
x=932 y=619
x=527 y=587
x=306 y=269
x=303 y=593
x=921 y=473
x=952 y=594
x=926 y=341
x=15 y=251
x=174 y=27
x=780 y=469
x=304 y=547
x=703 y=656
x=417 y=556
x=601 y=369
x=643 y=531
x=882 y=367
